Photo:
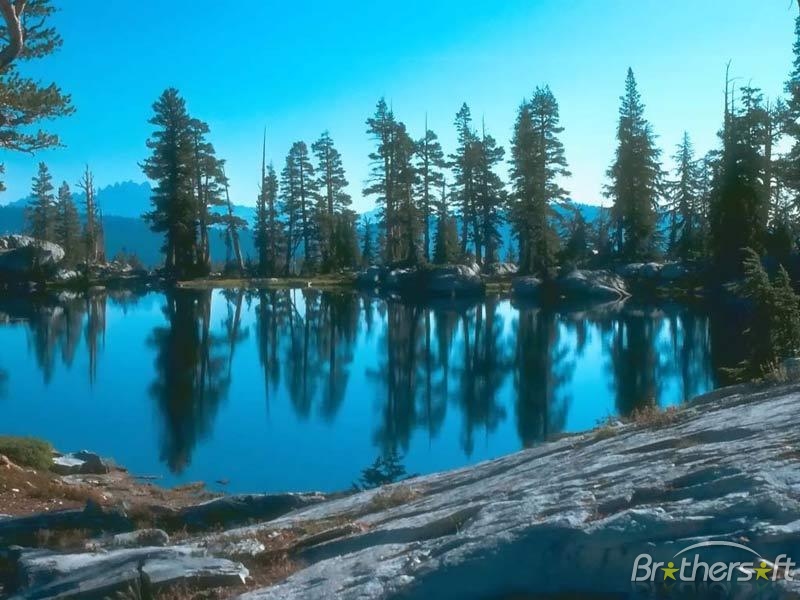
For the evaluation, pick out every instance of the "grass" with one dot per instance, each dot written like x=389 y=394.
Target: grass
x=27 y=452
x=649 y=415
x=395 y=496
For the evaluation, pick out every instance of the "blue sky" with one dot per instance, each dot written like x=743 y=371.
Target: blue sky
x=302 y=67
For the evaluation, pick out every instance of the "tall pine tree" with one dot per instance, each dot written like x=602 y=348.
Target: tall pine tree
x=174 y=209
x=684 y=203
x=635 y=178
x=299 y=195
x=40 y=212
x=68 y=226
x=334 y=202
x=429 y=164
x=538 y=165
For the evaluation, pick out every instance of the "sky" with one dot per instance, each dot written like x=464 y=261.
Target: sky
x=302 y=67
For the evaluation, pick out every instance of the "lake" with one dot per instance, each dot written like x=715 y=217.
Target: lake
x=279 y=390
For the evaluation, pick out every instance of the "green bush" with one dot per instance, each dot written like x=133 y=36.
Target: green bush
x=27 y=451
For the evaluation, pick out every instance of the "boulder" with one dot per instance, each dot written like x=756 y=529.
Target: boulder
x=526 y=287
x=592 y=285
x=140 y=537
x=126 y=573
x=500 y=269
x=22 y=255
x=80 y=463
x=455 y=280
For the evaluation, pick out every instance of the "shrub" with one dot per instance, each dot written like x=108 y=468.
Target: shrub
x=27 y=452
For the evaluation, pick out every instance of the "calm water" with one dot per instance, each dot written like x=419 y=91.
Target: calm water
x=302 y=390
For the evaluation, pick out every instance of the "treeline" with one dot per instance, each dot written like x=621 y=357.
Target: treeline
x=443 y=208
x=52 y=215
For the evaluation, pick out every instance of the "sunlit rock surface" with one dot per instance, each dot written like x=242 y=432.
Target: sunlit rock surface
x=571 y=516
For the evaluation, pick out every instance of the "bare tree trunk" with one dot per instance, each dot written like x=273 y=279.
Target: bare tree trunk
x=12 y=13
x=232 y=231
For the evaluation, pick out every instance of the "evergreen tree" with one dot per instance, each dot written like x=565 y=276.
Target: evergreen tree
x=381 y=184
x=208 y=186
x=299 y=190
x=68 y=226
x=463 y=166
x=684 y=204
x=738 y=208
x=774 y=331
x=334 y=200
x=635 y=178
x=408 y=215
x=28 y=35
x=429 y=164
x=233 y=224
x=446 y=249
x=266 y=227
x=790 y=164
x=576 y=248
x=93 y=226
x=367 y=244
x=490 y=196
x=537 y=165
x=174 y=209
x=40 y=213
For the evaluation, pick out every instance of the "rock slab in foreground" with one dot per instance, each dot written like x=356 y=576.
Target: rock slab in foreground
x=570 y=517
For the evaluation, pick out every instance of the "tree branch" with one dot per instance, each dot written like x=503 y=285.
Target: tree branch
x=12 y=15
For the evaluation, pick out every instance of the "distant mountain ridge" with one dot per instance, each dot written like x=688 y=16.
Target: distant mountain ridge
x=124 y=203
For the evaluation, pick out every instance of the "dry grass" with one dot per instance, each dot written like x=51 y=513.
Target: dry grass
x=651 y=415
x=389 y=498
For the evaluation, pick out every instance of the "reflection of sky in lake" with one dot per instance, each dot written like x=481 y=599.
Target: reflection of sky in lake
x=346 y=379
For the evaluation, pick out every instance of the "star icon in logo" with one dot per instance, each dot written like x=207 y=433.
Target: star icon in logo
x=762 y=572
x=669 y=571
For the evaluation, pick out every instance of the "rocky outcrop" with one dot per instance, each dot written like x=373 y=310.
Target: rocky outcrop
x=80 y=463
x=432 y=281
x=592 y=285
x=570 y=517
x=500 y=269
x=130 y=573
x=578 y=285
x=21 y=256
x=564 y=519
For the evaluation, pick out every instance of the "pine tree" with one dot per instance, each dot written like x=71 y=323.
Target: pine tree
x=462 y=164
x=537 y=166
x=446 y=248
x=490 y=196
x=207 y=187
x=738 y=205
x=367 y=244
x=790 y=164
x=68 y=226
x=266 y=227
x=774 y=330
x=334 y=200
x=299 y=191
x=28 y=35
x=635 y=178
x=93 y=226
x=408 y=215
x=174 y=208
x=429 y=164
x=684 y=202
x=381 y=184
x=233 y=224
x=40 y=213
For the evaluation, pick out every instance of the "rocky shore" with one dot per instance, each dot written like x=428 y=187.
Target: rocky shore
x=566 y=517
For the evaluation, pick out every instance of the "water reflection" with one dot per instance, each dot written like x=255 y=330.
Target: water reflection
x=406 y=376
